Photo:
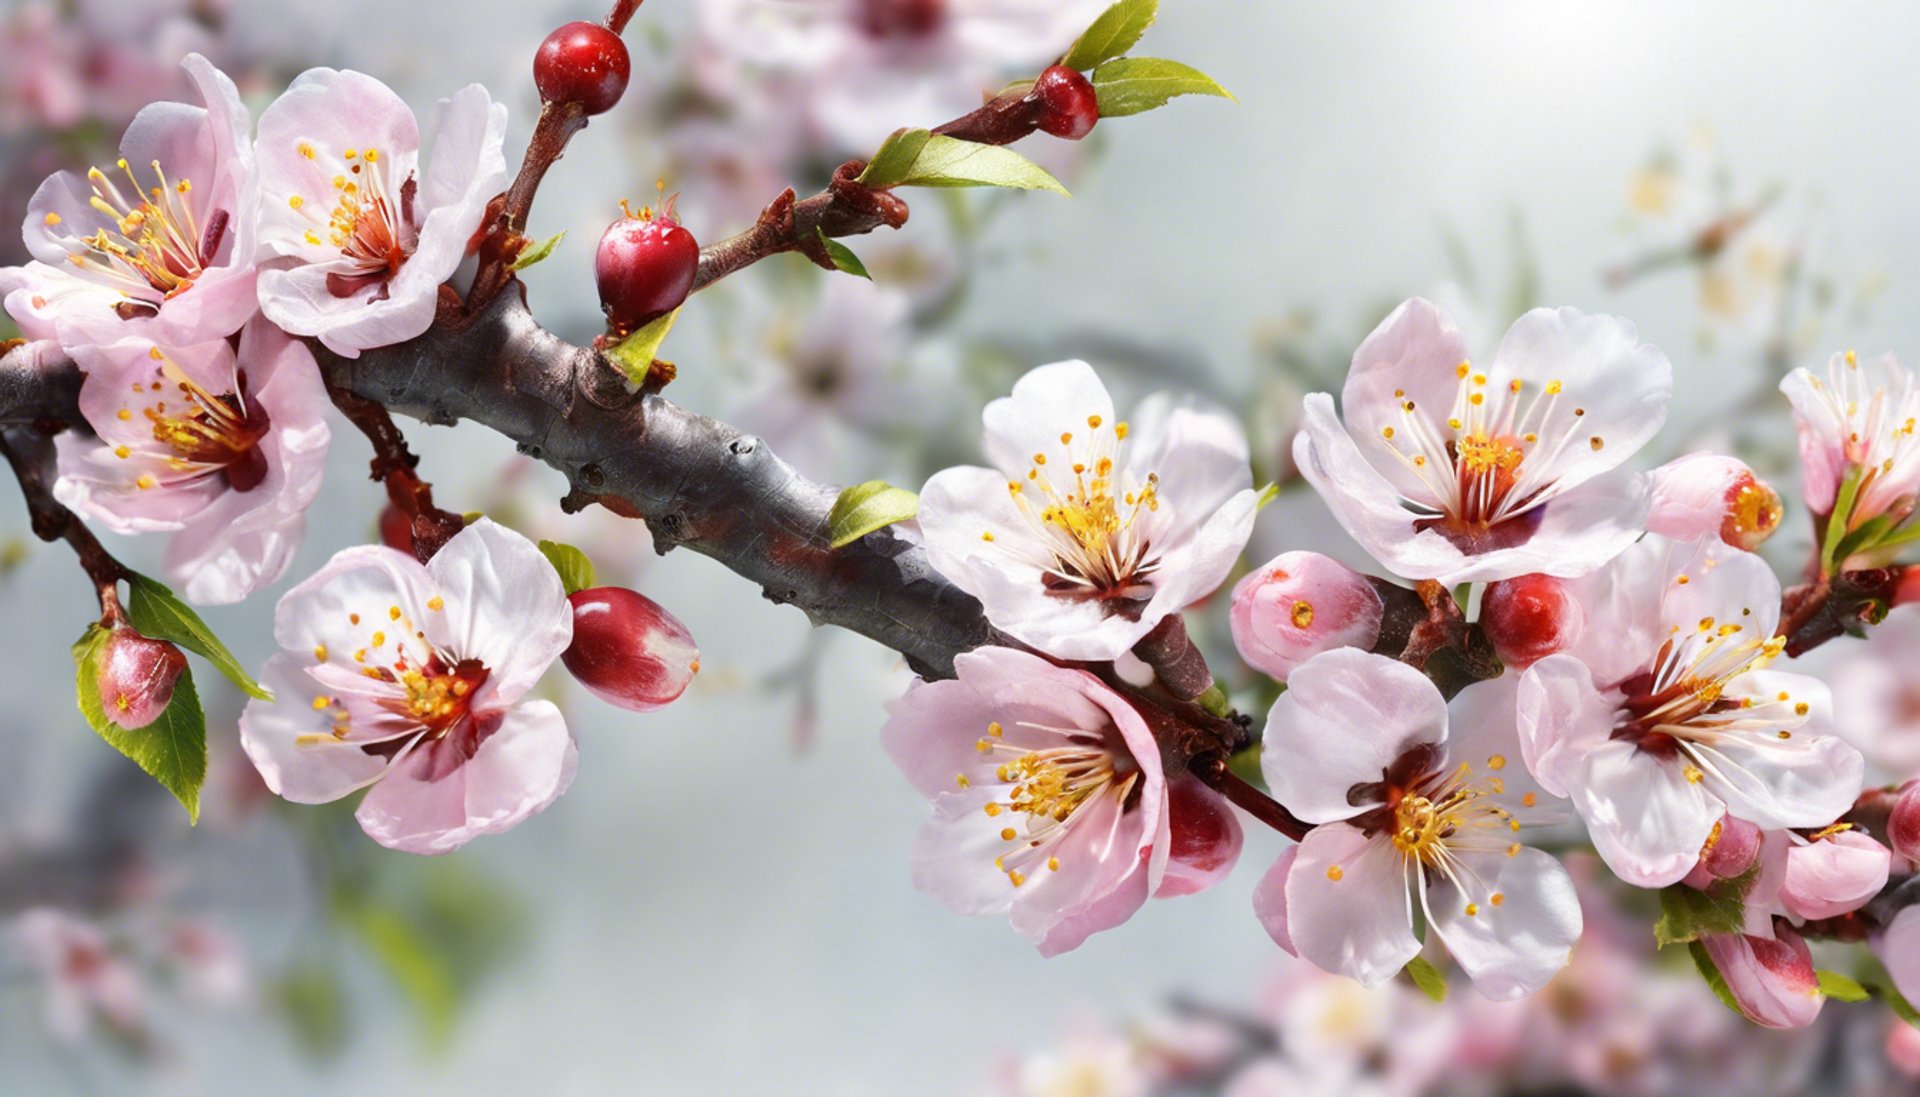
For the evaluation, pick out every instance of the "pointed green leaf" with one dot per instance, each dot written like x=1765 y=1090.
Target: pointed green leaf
x=1902 y=1008
x=843 y=257
x=576 y=571
x=1687 y=914
x=157 y=614
x=410 y=958
x=172 y=749
x=863 y=508
x=1841 y=988
x=918 y=158
x=635 y=354
x=1427 y=978
x=532 y=255
x=1111 y=35
x=1711 y=974
x=1131 y=85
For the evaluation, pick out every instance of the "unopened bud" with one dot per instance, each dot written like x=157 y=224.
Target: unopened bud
x=1530 y=617
x=1903 y=825
x=627 y=650
x=1299 y=604
x=1709 y=494
x=136 y=676
x=1731 y=849
x=1834 y=874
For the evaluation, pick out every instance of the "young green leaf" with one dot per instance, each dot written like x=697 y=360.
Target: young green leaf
x=1112 y=34
x=918 y=158
x=843 y=257
x=172 y=749
x=576 y=571
x=1711 y=974
x=1267 y=495
x=157 y=614
x=1901 y=1008
x=1687 y=914
x=635 y=354
x=1427 y=978
x=532 y=255
x=863 y=508
x=1131 y=85
x=1841 y=988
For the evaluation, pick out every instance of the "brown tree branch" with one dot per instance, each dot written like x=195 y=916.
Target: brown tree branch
x=393 y=465
x=31 y=455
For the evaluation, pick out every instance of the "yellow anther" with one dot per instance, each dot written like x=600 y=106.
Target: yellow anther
x=1334 y=872
x=1302 y=615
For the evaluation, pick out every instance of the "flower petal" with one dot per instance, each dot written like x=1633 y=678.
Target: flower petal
x=1646 y=819
x=1525 y=920
x=1347 y=715
x=289 y=741
x=1348 y=907
x=503 y=604
x=1561 y=719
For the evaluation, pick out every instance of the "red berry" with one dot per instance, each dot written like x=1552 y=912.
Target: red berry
x=1529 y=618
x=1068 y=105
x=627 y=650
x=582 y=63
x=644 y=268
x=136 y=676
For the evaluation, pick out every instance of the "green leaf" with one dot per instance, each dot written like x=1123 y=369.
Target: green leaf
x=1687 y=914
x=635 y=354
x=415 y=965
x=532 y=255
x=1837 y=521
x=1902 y=1008
x=316 y=1010
x=576 y=571
x=1215 y=701
x=1841 y=988
x=863 y=508
x=1711 y=974
x=172 y=749
x=157 y=614
x=1427 y=978
x=1133 y=85
x=1111 y=35
x=919 y=158
x=843 y=257
x=1267 y=495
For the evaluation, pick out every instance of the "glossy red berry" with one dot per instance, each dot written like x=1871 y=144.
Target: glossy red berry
x=644 y=268
x=582 y=63
x=1068 y=105
x=1529 y=618
x=627 y=650
x=136 y=677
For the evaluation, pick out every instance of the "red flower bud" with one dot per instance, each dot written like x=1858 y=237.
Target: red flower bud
x=1903 y=826
x=1530 y=617
x=1705 y=494
x=1068 y=105
x=627 y=650
x=582 y=63
x=644 y=268
x=136 y=676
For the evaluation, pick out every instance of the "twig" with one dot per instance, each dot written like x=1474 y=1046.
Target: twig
x=393 y=465
x=1215 y=772
x=31 y=455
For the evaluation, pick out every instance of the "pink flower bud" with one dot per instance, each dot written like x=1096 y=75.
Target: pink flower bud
x=1834 y=875
x=1730 y=851
x=136 y=677
x=1772 y=979
x=627 y=650
x=1903 y=825
x=1529 y=617
x=1299 y=604
x=1708 y=494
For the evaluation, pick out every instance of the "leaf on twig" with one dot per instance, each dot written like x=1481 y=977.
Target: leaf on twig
x=172 y=749
x=920 y=158
x=635 y=354
x=1112 y=34
x=1132 y=85
x=576 y=570
x=843 y=257
x=532 y=255
x=863 y=508
x=155 y=613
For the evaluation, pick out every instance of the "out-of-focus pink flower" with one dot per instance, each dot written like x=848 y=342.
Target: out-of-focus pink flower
x=356 y=233
x=160 y=248
x=209 y=962
x=1710 y=495
x=1858 y=419
x=83 y=977
x=1833 y=873
x=1090 y=530
x=1772 y=978
x=1876 y=695
x=1903 y=1047
x=1089 y=1062
x=1048 y=800
x=1899 y=949
x=225 y=452
x=1443 y=470
x=1299 y=604
x=410 y=678
x=1662 y=718
x=1414 y=801
x=1903 y=823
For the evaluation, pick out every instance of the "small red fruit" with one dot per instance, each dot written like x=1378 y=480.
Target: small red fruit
x=136 y=677
x=627 y=650
x=1068 y=105
x=1529 y=618
x=582 y=63
x=644 y=267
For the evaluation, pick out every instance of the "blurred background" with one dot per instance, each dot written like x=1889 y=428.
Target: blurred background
x=721 y=903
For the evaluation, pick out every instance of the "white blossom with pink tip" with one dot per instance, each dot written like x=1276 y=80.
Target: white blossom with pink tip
x=1413 y=800
x=1447 y=470
x=411 y=679
x=356 y=232
x=1090 y=529
x=1858 y=420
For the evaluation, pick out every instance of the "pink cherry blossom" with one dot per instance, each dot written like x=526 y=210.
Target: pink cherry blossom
x=1903 y=822
x=1413 y=800
x=223 y=451
x=357 y=234
x=411 y=679
x=1899 y=949
x=83 y=976
x=158 y=247
x=1858 y=419
x=1662 y=717
x=1710 y=495
x=1049 y=804
x=1833 y=873
x=1299 y=604
x=1876 y=695
x=1447 y=470
x=1090 y=530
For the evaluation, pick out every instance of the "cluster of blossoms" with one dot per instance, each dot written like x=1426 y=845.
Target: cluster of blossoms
x=1629 y=682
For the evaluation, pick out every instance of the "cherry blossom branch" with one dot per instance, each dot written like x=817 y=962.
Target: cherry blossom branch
x=31 y=455
x=393 y=465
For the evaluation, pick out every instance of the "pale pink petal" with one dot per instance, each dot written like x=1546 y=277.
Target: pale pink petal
x=1647 y=821
x=1834 y=875
x=503 y=604
x=1513 y=944
x=1346 y=716
x=1270 y=899
x=1561 y=719
x=290 y=742
x=1348 y=906
x=1772 y=980
x=1411 y=356
x=1044 y=401
x=1899 y=949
